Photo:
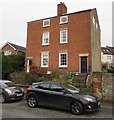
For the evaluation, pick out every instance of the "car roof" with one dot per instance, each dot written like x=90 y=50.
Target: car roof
x=3 y=81
x=46 y=82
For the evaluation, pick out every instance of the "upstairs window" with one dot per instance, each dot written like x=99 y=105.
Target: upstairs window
x=63 y=36
x=63 y=19
x=45 y=38
x=46 y=23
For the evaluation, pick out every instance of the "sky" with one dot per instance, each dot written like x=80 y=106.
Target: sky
x=14 y=15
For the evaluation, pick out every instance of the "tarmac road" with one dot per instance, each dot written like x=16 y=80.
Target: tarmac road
x=20 y=109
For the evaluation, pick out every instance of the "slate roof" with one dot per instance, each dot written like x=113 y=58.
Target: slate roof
x=15 y=47
x=107 y=50
x=19 y=48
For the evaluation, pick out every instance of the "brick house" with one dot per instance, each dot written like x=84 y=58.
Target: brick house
x=12 y=49
x=107 y=55
x=66 y=42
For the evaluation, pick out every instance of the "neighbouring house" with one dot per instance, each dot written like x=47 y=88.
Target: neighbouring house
x=107 y=55
x=12 y=49
x=66 y=42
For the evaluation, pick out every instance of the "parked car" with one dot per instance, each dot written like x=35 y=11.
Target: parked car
x=61 y=95
x=9 y=91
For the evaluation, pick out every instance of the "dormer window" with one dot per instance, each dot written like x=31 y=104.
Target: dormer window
x=46 y=23
x=63 y=19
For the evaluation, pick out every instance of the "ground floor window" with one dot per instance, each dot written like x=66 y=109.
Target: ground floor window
x=63 y=59
x=44 y=59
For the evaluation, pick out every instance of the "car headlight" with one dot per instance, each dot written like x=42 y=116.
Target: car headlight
x=89 y=99
x=9 y=92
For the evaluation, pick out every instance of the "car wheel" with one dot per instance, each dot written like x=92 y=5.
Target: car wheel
x=32 y=101
x=2 y=98
x=76 y=108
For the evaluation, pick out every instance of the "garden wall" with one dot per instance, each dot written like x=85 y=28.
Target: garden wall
x=107 y=80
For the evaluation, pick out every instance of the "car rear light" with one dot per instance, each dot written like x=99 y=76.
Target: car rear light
x=29 y=89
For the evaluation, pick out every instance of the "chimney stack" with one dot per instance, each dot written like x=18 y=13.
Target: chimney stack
x=61 y=9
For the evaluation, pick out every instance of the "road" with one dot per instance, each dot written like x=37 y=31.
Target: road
x=20 y=109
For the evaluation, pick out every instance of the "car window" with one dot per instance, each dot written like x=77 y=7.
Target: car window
x=2 y=85
x=9 y=84
x=56 y=88
x=44 y=86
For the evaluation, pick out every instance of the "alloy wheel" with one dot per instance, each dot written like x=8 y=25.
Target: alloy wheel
x=32 y=101
x=77 y=108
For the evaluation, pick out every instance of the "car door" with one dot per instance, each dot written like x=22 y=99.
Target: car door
x=43 y=93
x=59 y=98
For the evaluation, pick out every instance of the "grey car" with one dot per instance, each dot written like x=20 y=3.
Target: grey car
x=9 y=91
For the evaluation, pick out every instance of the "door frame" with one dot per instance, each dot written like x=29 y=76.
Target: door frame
x=28 y=66
x=83 y=55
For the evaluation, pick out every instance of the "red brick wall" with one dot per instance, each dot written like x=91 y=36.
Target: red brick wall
x=78 y=40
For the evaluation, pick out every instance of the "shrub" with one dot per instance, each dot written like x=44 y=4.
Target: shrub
x=36 y=75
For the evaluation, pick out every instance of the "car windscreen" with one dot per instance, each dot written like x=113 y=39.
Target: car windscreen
x=10 y=84
x=70 y=87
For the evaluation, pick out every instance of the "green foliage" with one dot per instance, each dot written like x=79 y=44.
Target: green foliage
x=88 y=89
x=17 y=62
x=36 y=75
x=10 y=64
x=6 y=67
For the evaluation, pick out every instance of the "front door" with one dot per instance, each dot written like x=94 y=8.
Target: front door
x=83 y=62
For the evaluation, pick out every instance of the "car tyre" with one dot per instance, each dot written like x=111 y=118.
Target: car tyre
x=32 y=101
x=2 y=98
x=76 y=108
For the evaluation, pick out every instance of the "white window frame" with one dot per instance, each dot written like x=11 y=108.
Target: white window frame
x=62 y=22
x=60 y=59
x=42 y=59
x=43 y=38
x=61 y=36
x=46 y=21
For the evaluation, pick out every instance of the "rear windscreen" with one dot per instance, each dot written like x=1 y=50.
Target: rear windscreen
x=10 y=84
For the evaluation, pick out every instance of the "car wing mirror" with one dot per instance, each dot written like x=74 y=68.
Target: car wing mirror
x=64 y=91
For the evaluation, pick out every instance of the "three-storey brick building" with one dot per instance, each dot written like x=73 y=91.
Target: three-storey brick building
x=66 y=42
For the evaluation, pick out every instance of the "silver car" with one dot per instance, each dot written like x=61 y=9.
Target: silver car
x=9 y=91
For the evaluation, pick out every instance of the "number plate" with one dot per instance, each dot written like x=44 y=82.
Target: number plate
x=19 y=94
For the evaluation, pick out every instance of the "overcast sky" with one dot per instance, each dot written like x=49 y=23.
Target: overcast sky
x=16 y=13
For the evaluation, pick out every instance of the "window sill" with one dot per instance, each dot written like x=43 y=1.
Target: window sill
x=63 y=67
x=46 y=26
x=63 y=42
x=44 y=66
x=45 y=44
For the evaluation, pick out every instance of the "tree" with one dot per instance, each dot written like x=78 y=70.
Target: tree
x=12 y=63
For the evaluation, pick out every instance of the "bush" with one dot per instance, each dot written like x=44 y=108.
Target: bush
x=36 y=75
x=11 y=63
